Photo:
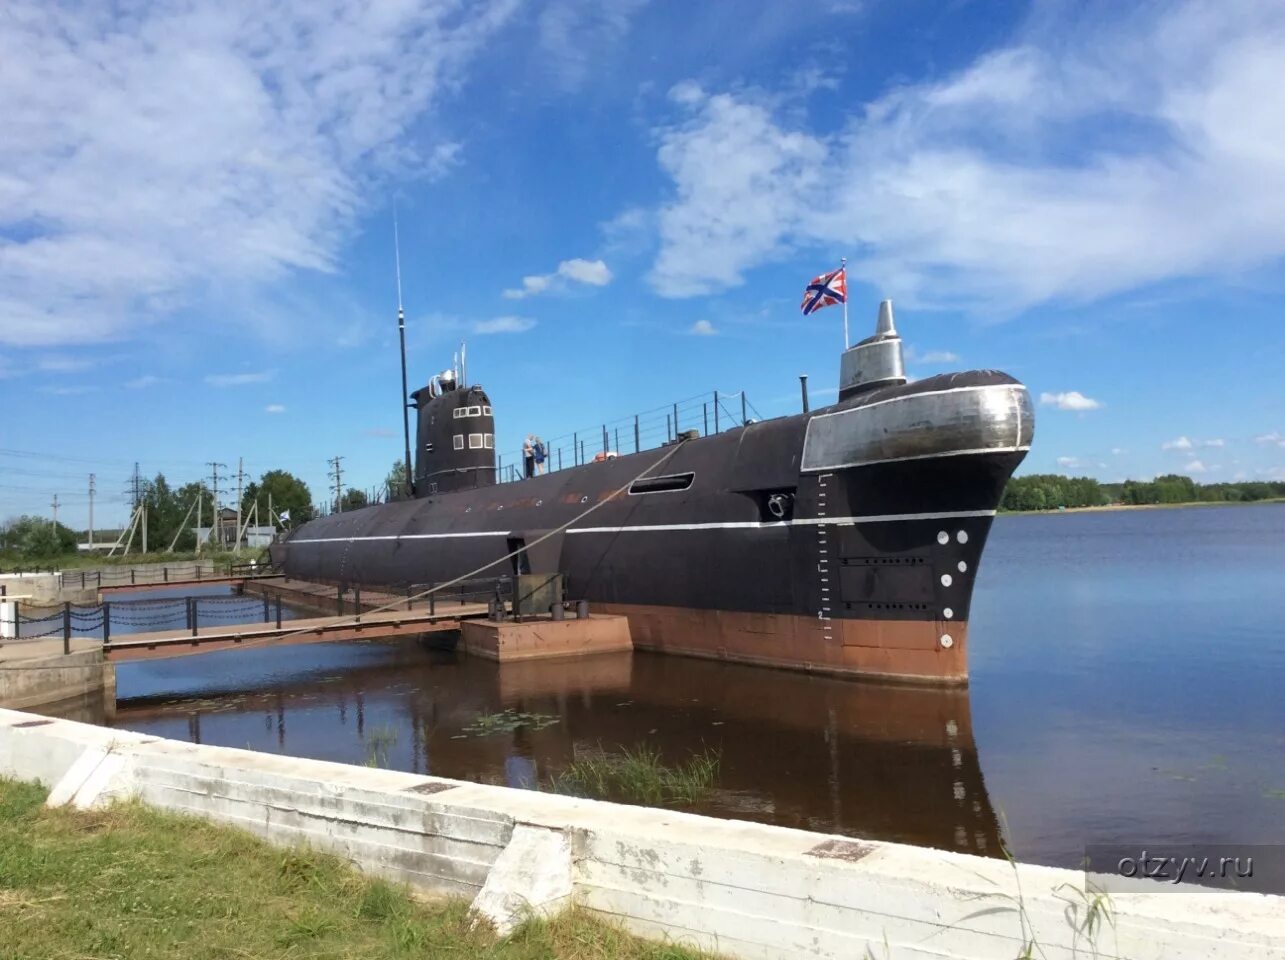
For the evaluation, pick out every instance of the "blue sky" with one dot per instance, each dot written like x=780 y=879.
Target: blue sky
x=617 y=204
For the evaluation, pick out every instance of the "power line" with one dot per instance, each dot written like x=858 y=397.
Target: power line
x=92 y=478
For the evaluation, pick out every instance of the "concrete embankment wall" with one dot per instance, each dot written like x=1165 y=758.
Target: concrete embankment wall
x=742 y=889
x=36 y=673
x=47 y=589
x=82 y=585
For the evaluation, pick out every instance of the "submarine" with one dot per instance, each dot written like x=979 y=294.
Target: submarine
x=845 y=539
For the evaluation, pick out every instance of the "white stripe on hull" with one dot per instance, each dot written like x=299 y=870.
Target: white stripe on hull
x=663 y=527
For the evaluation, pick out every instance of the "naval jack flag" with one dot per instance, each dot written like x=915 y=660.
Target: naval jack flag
x=827 y=290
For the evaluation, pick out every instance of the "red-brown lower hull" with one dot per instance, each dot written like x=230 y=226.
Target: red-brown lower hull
x=907 y=651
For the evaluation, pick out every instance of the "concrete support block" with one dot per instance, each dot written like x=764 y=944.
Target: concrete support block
x=531 y=878
x=546 y=638
x=36 y=673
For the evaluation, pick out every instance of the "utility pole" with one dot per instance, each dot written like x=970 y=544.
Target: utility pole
x=339 y=487
x=240 y=478
x=91 y=509
x=136 y=482
x=55 y=506
x=200 y=498
x=215 y=526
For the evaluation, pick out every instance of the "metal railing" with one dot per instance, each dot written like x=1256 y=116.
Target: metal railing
x=705 y=414
x=482 y=590
x=149 y=615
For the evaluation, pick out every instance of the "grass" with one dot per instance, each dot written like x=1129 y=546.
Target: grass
x=639 y=775
x=379 y=744
x=132 y=882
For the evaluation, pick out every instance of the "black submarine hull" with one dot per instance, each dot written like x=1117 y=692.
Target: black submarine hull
x=844 y=540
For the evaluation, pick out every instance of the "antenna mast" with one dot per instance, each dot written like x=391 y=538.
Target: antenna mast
x=408 y=469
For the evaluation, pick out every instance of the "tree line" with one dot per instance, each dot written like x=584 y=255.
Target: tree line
x=172 y=516
x=1051 y=491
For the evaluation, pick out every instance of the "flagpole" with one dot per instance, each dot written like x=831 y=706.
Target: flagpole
x=843 y=265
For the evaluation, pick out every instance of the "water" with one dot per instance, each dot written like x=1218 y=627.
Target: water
x=1126 y=675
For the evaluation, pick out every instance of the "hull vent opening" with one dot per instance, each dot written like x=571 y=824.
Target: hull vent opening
x=668 y=484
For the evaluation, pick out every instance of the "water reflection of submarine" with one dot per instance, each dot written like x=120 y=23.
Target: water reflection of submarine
x=813 y=752
x=884 y=761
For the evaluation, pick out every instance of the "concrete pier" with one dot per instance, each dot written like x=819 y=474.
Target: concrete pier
x=742 y=889
x=37 y=673
x=509 y=640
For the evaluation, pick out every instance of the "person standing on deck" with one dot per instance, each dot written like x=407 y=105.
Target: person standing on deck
x=541 y=453
x=528 y=457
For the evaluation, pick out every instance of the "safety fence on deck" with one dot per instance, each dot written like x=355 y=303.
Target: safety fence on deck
x=701 y=415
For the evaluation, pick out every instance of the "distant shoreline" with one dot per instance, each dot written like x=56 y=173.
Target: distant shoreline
x=1107 y=508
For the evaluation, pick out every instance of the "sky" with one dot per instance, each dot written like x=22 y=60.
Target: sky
x=616 y=204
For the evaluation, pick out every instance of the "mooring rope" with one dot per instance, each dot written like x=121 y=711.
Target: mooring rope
x=396 y=604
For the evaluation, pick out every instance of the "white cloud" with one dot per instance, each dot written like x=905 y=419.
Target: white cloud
x=629 y=233
x=1118 y=450
x=1186 y=443
x=931 y=356
x=1070 y=400
x=1268 y=439
x=571 y=32
x=593 y=273
x=74 y=390
x=995 y=186
x=1195 y=466
x=274 y=408
x=146 y=380
x=503 y=325
x=63 y=364
x=238 y=379
x=703 y=328
x=153 y=153
x=530 y=287
x=1079 y=463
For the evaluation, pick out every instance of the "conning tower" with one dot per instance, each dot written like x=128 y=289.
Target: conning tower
x=874 y=362
x=454 y=437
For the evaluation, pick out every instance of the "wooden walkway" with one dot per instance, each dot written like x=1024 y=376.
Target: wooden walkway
x=370 y=626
